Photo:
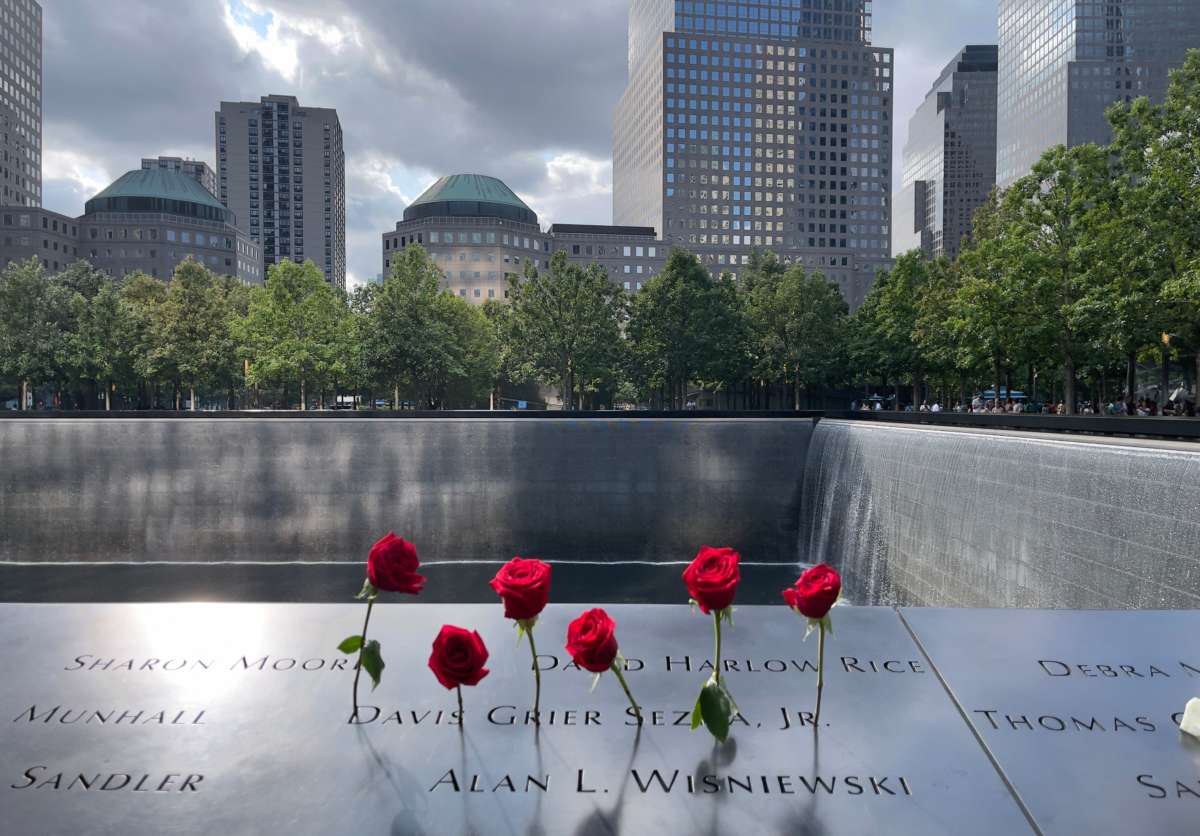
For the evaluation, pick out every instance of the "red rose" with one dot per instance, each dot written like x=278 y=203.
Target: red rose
x=458 y=657
x=524 y=586
x=392 y=566
x=591 y=642
x=815 y=592
x=712 y=578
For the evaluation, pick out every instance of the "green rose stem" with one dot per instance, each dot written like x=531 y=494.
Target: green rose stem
x=717 y=671
x=820 y=672
x=460 y=708
x=625 y=685
x=537 y=674
x=359 y=667
x=816 y=715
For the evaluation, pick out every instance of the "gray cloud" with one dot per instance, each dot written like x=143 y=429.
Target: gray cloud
x=519 y=90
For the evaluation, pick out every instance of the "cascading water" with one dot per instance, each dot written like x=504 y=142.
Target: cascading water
x=925 y=516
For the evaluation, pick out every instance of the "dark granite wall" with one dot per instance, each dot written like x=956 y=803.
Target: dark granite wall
x=914 y=516
x=268 y=489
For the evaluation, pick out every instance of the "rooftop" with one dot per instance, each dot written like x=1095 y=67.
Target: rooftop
x=470 y=195
x=603 y=229
x=158 y=190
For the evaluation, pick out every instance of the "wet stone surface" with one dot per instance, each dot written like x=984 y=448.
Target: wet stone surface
x=1080 y=709
x=235 y=718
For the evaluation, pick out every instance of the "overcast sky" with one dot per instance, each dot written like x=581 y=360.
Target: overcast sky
x=518 y=89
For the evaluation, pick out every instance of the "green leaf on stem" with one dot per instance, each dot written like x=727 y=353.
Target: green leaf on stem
x=697 y=714
x=372 y=662
x=351 y=644
x=716 y=710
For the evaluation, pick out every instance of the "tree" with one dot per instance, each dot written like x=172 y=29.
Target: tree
x=142 y=297
x=1166 y=159
x=407 y=340
x=1051 y=241
x=564 y=326
x=192 y=329
x=32 y=334
x=291 y=332
x=100 y=344
x=990 y=313
x=899 y=294
x=798 y=321
x=678 y=327
x=468 y=369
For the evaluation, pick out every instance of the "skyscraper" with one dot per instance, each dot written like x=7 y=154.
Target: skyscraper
x=950 y=156
x=282 y=171
x=1062 y=62
x=759 y=125
x=20 y=103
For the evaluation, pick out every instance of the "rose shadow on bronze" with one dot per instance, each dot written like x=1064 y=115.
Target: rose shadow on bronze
x=601 y=822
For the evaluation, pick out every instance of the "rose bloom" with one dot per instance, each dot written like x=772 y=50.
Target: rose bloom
x=712 y=578
x=458 y=657
x=524 y=586
x=392 y=566
x=815 y=592
x=591 y=642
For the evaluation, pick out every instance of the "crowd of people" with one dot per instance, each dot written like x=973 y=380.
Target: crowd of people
x=1142 y=408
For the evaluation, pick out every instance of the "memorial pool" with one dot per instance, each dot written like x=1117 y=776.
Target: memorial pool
x=1033 y=711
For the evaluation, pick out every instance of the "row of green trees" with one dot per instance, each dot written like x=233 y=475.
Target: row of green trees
x=1075 y=273
x=136 y=342
x=778 y=329
x=93 y=340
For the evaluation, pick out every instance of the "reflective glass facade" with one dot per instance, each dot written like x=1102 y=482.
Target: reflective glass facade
x=844 y=21
x=770 y=131
x=1062 y=62
x=20 y=103
x=950 y=157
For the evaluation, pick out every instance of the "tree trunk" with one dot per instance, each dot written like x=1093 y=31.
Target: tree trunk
x=192 y=395
x=1131 y=378
x=108 y=396
x=1069 y=384
x=396 y=396
x=303 y=396
x=1164 y=394
x=178 y=395
x=996 y=381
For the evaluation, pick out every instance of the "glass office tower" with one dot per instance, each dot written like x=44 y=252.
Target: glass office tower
x=950 y=157
x=20 y=103
x=1063 y=62
x=759 y=126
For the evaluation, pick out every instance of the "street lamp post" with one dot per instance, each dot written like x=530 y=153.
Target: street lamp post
x=1165 y=383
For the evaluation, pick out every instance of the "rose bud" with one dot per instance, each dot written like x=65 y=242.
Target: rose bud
x=458 y=657
x=591 y=642
x=392 y=566
x=524 y=586
x=815 y=592
x=712 y=578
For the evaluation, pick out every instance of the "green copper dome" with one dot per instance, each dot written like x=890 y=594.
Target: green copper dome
x=470 y=196
x=158 y=190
